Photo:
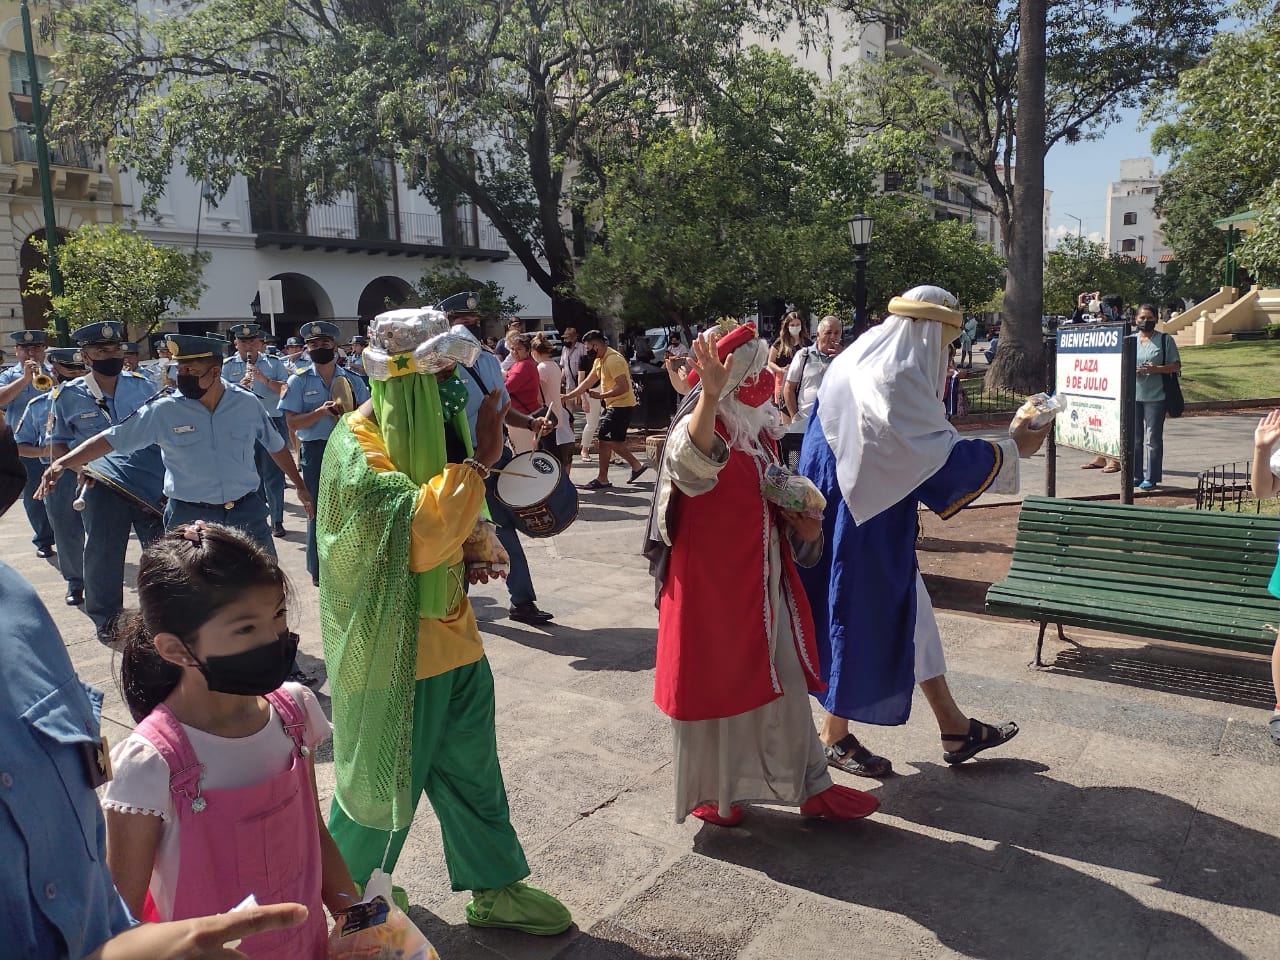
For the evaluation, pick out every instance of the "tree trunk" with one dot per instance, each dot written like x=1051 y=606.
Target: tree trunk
x=1019 y=361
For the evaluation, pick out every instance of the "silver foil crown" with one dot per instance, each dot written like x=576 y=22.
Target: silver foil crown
x=423 y=332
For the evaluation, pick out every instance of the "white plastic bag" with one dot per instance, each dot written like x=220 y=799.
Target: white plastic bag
x=376 y=929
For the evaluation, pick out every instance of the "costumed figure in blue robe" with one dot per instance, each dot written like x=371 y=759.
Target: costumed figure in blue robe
x=878 y=445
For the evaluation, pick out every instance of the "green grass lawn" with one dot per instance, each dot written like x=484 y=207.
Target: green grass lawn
x=1231 y=371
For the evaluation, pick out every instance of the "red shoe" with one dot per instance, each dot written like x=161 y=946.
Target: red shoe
x=840 y=803
x=710 y=812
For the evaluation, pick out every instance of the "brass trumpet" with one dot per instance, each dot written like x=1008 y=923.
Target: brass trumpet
x=42 y=382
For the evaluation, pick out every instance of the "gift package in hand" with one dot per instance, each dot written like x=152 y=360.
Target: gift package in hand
x=791 y=491
x=1039 y=411
x=482 y=551
x=376 y=929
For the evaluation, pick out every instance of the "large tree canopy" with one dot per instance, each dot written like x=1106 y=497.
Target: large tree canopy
x=1096 y=58
x=1221 y=140
x=506 y=105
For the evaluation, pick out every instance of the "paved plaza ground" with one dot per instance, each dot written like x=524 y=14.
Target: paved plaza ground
x=1134 y=817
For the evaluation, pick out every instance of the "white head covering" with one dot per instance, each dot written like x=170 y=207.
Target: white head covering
x=880 y=406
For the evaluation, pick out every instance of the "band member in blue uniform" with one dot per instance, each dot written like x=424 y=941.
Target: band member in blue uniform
x=256 y=370
x=19 y=385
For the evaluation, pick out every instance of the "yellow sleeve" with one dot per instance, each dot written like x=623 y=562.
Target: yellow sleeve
x=444 y=517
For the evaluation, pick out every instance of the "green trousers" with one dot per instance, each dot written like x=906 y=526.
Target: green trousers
x=455 y=762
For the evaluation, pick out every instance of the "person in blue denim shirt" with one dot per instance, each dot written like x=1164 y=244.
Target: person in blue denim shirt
x=60 y=902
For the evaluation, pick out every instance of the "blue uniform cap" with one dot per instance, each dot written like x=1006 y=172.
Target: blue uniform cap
x=465 y=302
x=319 y=328
x=67 y=356
x=105 y=331
x=130 y=347
x=293 y=342
x=186 y=346
x=359 y=341
x=246 y=331
x=28 y=338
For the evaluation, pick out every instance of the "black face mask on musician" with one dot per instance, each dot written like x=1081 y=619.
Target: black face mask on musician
x=110 y=367
x=322 y=354
x=189 y=385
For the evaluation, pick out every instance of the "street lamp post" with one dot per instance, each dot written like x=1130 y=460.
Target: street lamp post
x=46 y=181
x=860 y=236
x=1079 y=233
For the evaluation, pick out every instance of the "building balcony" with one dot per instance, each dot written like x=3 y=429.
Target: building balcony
x=75 y=171
x=374 y=230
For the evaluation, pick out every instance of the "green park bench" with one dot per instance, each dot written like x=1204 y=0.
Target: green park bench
x=1188 y=576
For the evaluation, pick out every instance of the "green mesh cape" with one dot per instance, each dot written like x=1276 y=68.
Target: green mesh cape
x=370 y=601
x=369 y=620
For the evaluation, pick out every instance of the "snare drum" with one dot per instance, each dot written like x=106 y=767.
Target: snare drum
x=538 y=492
x=137 y=477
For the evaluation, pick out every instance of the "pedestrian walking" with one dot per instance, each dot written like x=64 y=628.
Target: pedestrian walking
x=612 y=373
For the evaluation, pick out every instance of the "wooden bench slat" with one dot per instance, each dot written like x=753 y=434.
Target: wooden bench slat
x=1172 y=578
x=1159 y=572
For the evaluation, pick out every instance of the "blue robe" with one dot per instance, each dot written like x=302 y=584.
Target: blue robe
x=863 y=591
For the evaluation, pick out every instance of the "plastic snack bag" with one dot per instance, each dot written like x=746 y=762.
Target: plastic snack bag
x=791 y=491
x=482 y=552
x=1040 y=410
x=376 y=929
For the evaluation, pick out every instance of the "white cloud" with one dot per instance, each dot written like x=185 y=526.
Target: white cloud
x=1070 y=230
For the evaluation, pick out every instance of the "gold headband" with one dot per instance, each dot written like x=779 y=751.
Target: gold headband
x=923 y=310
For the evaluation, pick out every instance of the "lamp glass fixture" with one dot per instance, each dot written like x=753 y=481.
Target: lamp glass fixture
x=860 y=230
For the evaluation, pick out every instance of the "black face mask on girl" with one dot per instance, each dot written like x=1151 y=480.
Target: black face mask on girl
x=1146 y=326
x=251 y=673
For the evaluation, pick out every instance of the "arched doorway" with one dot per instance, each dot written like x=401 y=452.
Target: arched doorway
x=304 y=300
x=35 y=307
x=381 y=293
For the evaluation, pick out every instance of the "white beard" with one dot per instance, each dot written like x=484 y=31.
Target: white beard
x=744 y=425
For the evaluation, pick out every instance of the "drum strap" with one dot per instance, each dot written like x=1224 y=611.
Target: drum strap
x=484 y=391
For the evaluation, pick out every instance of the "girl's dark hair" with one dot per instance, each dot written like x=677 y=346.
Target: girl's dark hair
x=182 y=584
x=1152 y=307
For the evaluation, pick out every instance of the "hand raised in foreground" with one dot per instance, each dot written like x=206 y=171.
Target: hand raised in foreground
x=1267 y=432
x=489 y=419
x=201 y=938
x=711 y=372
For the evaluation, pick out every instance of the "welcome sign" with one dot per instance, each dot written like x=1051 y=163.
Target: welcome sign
x=1088 y=378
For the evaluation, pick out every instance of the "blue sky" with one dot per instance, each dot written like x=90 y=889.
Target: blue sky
x=1078 y=175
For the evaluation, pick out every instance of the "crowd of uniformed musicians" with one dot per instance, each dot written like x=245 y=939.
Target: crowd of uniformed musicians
x=207 y=430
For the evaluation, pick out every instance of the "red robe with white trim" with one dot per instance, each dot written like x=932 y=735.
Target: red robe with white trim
x=714 y=611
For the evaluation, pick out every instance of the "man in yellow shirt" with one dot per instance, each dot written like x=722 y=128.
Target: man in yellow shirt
x=400 y=495
x=610 y=371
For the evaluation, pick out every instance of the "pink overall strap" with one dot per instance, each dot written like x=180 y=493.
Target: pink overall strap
x=164 y=732
x=292 y=716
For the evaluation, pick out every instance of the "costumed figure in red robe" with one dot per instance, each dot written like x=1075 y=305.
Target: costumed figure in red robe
x=736 y=653
x=878 y=445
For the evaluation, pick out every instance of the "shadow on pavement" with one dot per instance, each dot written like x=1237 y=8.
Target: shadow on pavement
x=1001 y=897
x=626 y=649
x=1244 y=683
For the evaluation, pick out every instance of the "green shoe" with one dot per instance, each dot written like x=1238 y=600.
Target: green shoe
x=518 y=906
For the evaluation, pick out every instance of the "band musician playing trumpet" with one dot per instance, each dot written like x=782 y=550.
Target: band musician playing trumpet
x=265 y=377
x=19 y=385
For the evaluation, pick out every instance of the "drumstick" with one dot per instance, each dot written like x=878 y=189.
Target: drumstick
x=78 y=503
x=514 y=473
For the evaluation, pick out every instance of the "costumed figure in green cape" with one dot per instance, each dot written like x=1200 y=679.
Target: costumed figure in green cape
x=399 y=531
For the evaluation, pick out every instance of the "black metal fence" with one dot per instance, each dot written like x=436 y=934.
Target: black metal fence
x=1227 y=489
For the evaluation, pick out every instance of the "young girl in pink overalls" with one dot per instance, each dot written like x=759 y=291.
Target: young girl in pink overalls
x=214 y=794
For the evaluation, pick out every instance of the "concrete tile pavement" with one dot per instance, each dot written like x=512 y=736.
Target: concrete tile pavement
x=1134 y=816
